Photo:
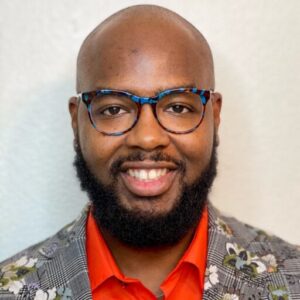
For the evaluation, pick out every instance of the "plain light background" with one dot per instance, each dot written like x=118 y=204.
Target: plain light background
x=256 y=50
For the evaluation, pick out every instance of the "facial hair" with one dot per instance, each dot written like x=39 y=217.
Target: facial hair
x=139 y=229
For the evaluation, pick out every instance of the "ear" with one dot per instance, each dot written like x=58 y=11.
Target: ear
x=73 y=109
x=217 y=105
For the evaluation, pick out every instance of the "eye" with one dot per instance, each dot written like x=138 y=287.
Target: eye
x=178 y=109
x=113 y=111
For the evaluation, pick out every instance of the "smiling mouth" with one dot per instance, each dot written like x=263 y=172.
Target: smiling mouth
x=148 y=181
x=147 y=174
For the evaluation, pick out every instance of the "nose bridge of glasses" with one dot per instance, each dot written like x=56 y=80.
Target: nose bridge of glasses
x=141 y=101
x=144 y=100
x=146 y=119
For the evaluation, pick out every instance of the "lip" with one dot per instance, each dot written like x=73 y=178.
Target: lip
x=149 y=188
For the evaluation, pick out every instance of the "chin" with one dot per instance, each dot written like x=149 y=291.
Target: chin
x=154 y=206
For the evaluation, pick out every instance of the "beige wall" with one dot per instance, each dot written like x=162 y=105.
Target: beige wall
x=256 y=48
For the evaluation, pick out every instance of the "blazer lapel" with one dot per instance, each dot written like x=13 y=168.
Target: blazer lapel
x=62 y=264
x=233 y=272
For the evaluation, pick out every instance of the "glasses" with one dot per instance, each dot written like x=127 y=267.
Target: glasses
x=115 y=112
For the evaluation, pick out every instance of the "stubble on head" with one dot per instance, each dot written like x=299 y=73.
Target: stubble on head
x=124 y=25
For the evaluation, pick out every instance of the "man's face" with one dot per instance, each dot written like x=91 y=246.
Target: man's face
x=143 y=68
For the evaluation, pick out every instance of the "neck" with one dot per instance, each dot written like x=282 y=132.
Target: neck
x=149 y=265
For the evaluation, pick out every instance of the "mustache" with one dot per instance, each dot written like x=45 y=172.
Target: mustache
x=116 y=166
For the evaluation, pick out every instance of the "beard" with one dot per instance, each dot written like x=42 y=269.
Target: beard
x=141 y=229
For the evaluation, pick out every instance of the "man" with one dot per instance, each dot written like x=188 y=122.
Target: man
x=145 y=125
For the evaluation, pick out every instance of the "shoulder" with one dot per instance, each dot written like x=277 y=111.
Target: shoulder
x=250 y=261
x=260 y=241
x=38 y=272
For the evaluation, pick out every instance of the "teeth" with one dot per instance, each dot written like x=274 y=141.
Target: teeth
x=150 y=174
x=143 y=174
x=163 y=172
x=131 y=172
x=153 y=174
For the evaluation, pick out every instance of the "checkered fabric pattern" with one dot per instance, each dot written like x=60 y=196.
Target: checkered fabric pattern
x=243 y=263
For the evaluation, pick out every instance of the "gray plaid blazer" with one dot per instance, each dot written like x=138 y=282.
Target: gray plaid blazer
x=243 y=263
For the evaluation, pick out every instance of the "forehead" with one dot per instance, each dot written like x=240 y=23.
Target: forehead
x=143 y=56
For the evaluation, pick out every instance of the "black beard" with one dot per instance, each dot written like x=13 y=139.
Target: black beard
x=139 y=229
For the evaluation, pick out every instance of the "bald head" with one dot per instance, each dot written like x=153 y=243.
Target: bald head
x=139 y=43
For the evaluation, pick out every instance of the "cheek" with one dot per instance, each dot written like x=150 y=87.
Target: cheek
x=97 y=149
x=196 y=148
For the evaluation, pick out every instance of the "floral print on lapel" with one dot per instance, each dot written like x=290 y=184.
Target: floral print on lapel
x=246 y=263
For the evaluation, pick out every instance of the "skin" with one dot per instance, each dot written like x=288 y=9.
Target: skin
x=145 y=49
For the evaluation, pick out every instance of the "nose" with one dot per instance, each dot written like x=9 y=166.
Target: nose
x=147 y=134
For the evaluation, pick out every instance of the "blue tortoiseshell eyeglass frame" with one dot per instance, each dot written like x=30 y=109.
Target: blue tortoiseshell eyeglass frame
x=87 y=97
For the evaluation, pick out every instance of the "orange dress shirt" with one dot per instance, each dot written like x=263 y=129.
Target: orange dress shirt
x=186 y=281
